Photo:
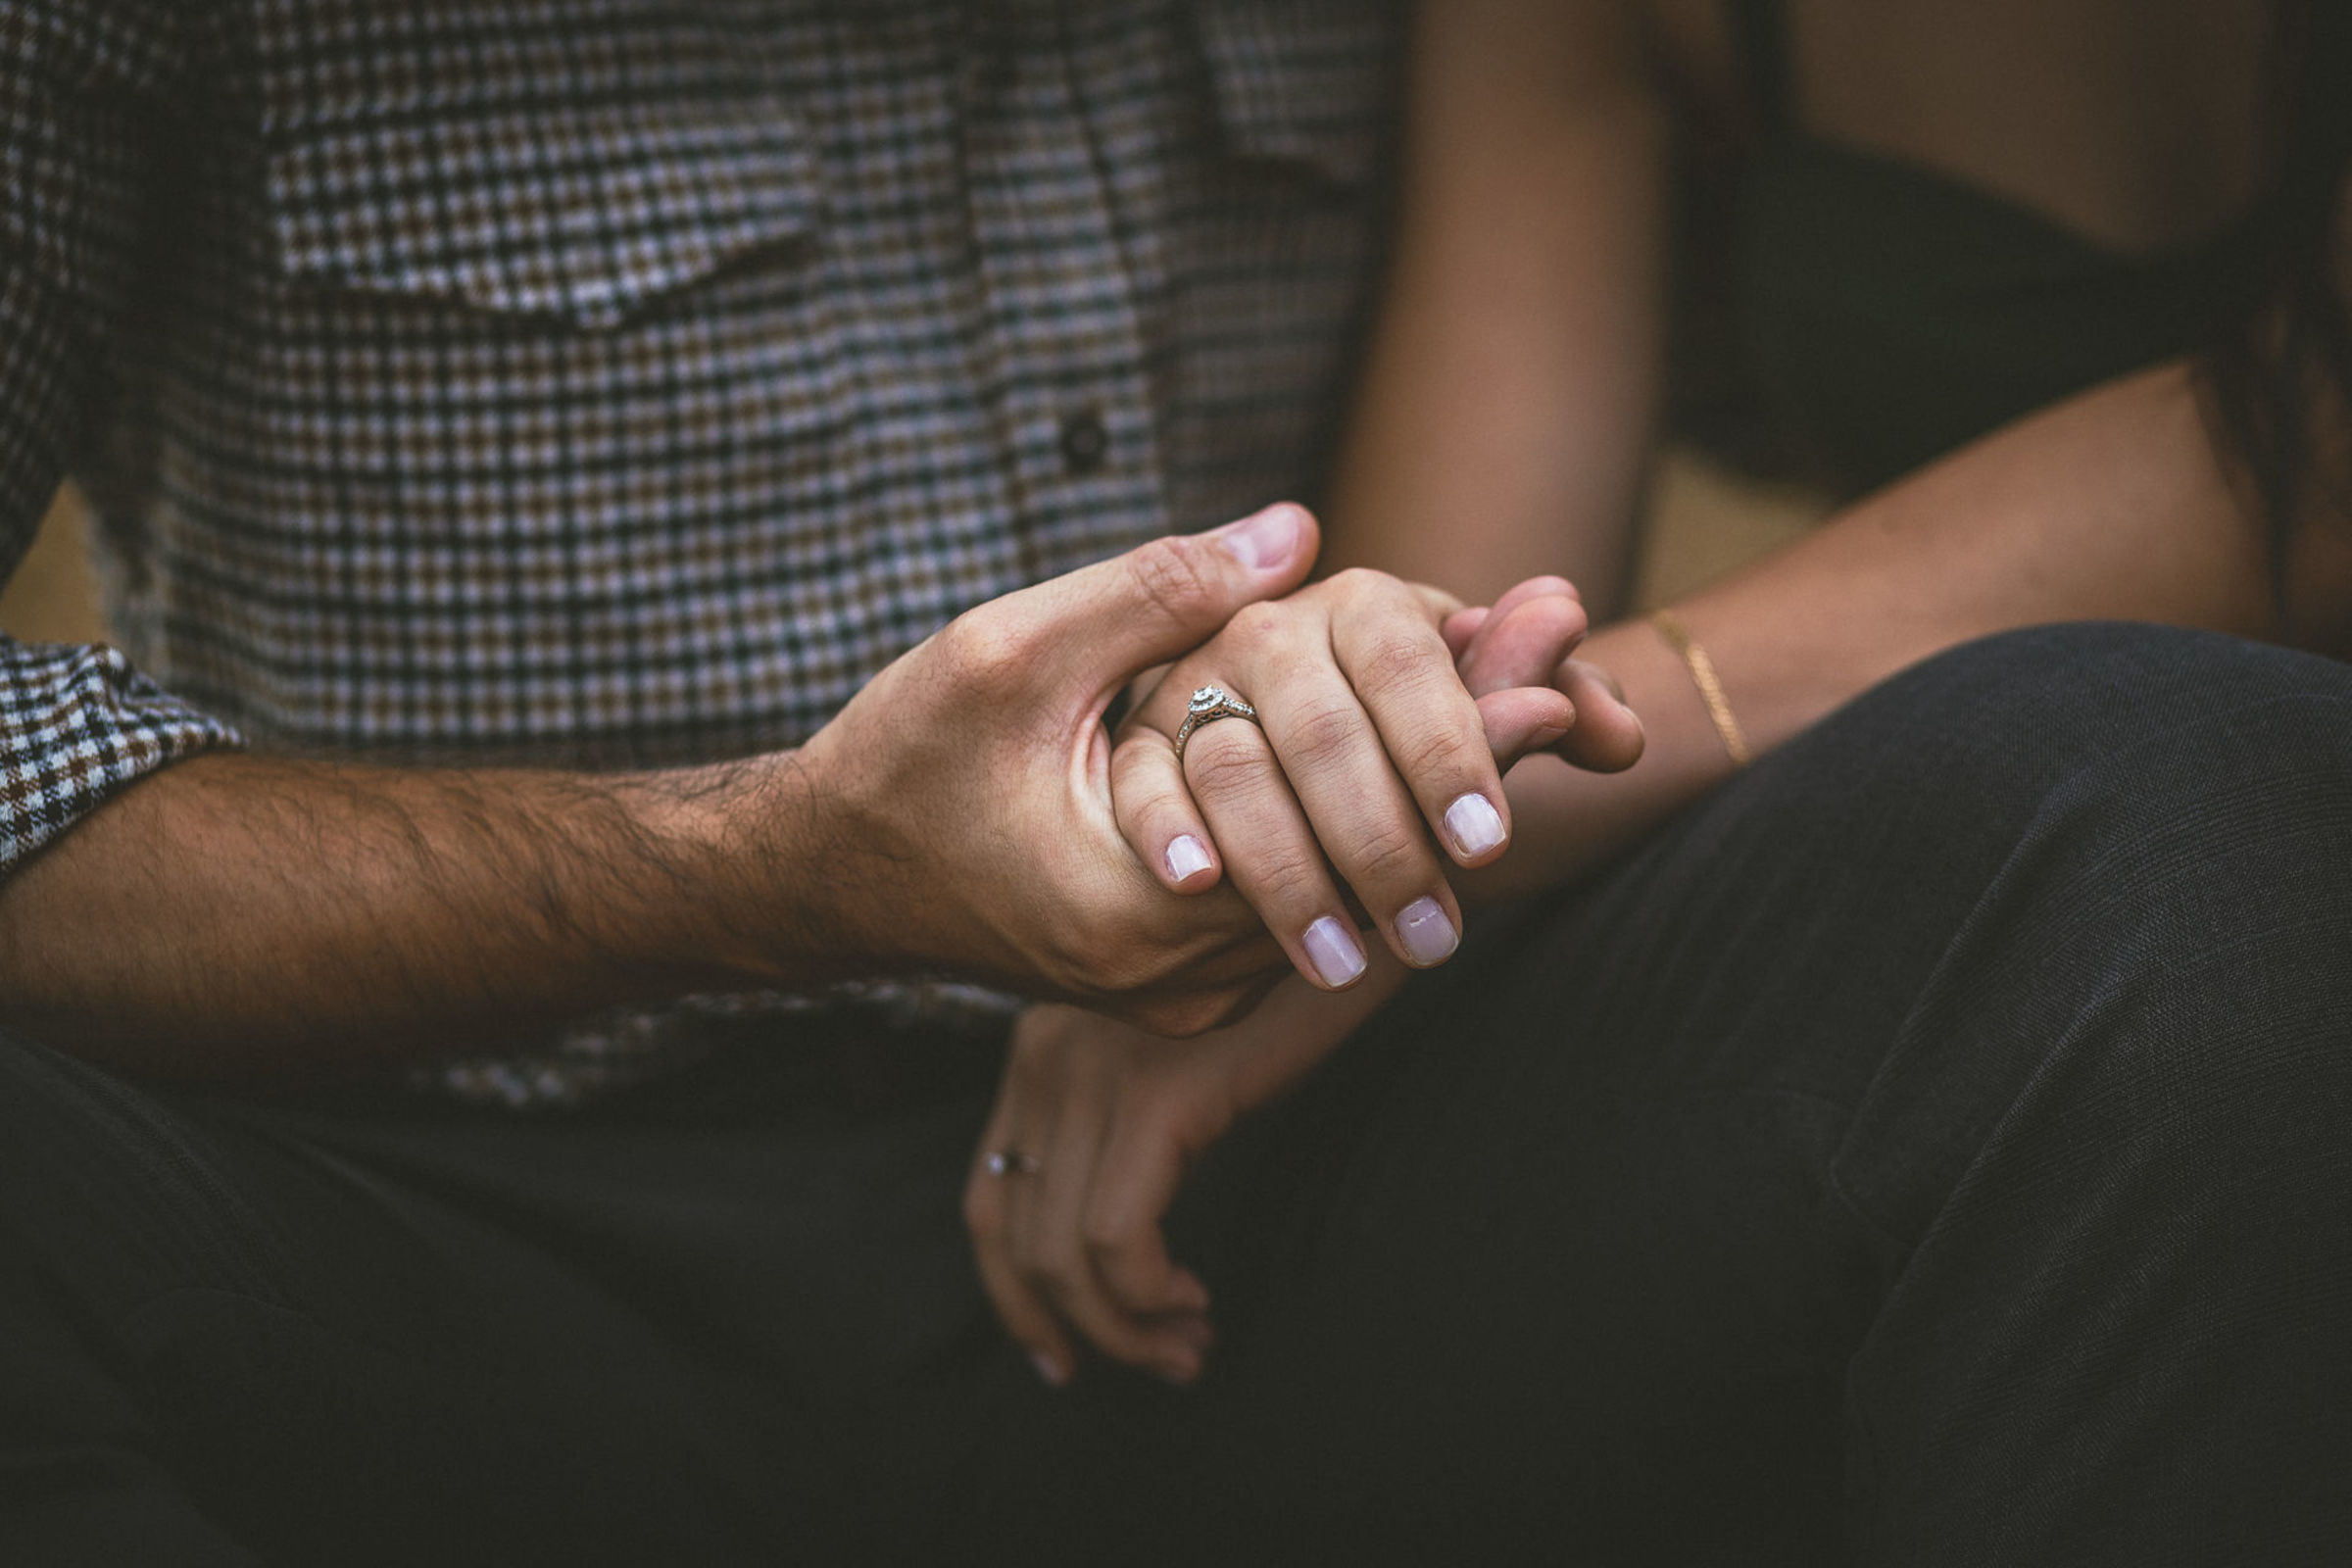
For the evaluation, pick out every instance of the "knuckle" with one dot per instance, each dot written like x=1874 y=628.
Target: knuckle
x=1106 y=1236
x=1322 y=734
x=1084 y=946
x=1182 y=1018
x=1160 y=1016
x=1290 y=884
x=1439 y=753
x=1261 y=624
x=1170 y=577
x=1116 y=965
x=1133 y=947
x=1361 y=582
x=1388 y=853
x=1231 y=1007
x=1396 y=659
x=1225 y=766
x=1129 y=971
x=1136 y=763
x=1096 y=954
x=988 y=652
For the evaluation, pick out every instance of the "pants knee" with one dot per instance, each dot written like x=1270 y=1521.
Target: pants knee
x=2144 y=723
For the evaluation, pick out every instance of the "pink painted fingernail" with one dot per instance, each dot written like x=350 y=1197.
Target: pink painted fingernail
x=1264 y=540
x=1334 y=951
x=1427 y=933
x=1049 y=1369
x=1187 y=858
x=1474 y=826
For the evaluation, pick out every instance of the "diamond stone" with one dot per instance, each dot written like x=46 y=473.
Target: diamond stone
x=1206 y=698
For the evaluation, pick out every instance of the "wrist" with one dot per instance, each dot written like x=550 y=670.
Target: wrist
x=760 y=886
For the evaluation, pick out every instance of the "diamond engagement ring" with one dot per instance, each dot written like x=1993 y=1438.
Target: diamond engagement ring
x=1208 y=705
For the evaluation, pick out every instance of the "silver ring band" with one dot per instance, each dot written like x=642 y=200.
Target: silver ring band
x=1010 y=1162
x=1208 y=705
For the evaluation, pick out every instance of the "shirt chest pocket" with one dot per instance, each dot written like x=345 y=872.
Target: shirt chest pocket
x=556 y=163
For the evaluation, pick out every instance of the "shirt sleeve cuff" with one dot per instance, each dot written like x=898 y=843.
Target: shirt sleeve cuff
x=76 y=724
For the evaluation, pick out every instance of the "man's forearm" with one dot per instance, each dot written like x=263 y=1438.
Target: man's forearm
x=2112 y=506
x=244 y=914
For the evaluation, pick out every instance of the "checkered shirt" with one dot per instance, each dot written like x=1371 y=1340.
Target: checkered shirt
x=599 y=384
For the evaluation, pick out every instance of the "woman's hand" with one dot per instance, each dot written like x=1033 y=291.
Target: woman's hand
x=1095 y=1126
x=1377 y=757
x=1524 y=642
x=1366 y=746
x=1096 y=1122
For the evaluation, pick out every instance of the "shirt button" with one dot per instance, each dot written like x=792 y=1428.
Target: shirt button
x=1085 y=443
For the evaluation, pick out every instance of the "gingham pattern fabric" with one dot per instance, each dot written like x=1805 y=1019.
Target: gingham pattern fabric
x=597 y=384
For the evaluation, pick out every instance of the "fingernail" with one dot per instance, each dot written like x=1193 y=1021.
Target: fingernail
x=1332 y=949
x=1262 y=540
x=1429 y=937
x=1187 y=858
x=1049 y=1369
x=1474 y=826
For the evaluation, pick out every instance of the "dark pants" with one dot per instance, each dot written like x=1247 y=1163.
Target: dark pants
x=1935 y=1149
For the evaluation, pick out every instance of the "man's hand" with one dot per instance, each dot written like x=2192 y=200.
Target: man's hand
x=241 y=915
x=961 y=801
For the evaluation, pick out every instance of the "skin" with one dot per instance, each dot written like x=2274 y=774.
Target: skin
x=1114 y=1116
x=1540 y=326
x=2113 y=505
x=1346 y=675
x=245 y=915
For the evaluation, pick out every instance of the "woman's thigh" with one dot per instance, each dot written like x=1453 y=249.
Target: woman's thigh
x=1649 y=1226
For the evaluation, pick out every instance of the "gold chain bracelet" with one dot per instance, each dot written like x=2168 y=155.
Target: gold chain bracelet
x=1710 y=689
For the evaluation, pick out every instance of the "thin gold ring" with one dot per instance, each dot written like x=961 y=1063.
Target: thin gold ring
x=1208 y=705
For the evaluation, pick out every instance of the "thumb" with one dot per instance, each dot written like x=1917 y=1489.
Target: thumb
x=1108 y=622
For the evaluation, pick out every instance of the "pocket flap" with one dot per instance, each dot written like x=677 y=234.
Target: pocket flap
x=487 y=189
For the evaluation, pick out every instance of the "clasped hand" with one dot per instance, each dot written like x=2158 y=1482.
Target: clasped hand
x=972 y=816
x=1387 y=717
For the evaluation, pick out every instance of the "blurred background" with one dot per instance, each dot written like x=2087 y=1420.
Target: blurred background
x=52 y=599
